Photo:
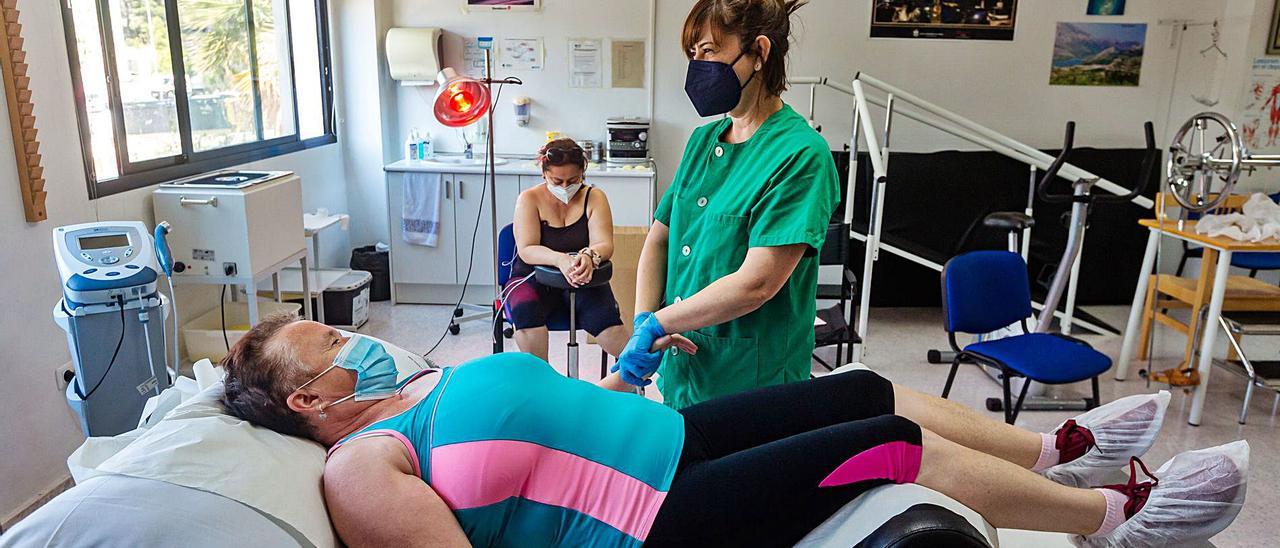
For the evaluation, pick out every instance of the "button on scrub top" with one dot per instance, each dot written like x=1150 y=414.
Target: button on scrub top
x=776 y=189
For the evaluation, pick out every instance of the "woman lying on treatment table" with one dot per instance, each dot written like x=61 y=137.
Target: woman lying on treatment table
x=504 y=451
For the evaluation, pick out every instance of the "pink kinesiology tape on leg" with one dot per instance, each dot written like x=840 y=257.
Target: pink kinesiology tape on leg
x=896 y=461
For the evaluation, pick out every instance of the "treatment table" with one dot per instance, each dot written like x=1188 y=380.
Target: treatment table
x=113 y=509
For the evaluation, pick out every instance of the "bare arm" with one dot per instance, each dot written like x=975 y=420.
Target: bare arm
x=375 y=499
x=528 y=233
x=600 y=224
x=761 y=275
x=651 y=279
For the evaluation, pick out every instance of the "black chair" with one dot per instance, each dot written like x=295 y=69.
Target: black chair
x=552 y=277
x=836 y=327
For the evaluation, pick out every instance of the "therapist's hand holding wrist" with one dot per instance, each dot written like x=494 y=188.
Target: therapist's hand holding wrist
x=643 y=353
x=638 y=360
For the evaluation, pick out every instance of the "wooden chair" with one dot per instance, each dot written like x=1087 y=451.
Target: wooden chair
x=1172 y=291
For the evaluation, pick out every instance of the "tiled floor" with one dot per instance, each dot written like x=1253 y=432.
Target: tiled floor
x=897 y=343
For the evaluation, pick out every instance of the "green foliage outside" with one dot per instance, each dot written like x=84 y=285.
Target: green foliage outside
x=215 y=45
x=1122 y=72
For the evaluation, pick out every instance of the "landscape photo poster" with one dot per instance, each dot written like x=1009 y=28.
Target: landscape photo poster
x=947 y=19
x=1106 y=7
x=1097 y=54
x=1259 y=118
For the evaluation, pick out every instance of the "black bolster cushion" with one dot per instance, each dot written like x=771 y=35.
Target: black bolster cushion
x=925 y=525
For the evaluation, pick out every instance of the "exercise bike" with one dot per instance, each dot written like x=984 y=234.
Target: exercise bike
x=1082 y=200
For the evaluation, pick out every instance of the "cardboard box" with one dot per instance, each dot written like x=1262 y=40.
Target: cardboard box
x=628 y=241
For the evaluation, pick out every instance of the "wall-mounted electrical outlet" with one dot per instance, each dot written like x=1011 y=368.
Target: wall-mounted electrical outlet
x=63 y=375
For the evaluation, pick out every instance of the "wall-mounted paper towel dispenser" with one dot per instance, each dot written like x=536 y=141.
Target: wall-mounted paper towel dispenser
x=413 y=54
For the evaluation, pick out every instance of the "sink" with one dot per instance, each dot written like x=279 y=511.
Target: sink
x=461 y=161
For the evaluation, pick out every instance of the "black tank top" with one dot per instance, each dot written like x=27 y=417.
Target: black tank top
x=565 y=239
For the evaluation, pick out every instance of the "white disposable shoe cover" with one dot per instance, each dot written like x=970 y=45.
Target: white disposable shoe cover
x=1199 y=494
x=1121 y=429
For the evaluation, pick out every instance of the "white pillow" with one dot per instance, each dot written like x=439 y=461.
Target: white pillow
x=198 y=445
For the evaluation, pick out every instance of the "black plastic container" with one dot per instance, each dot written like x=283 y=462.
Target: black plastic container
x=377 y=263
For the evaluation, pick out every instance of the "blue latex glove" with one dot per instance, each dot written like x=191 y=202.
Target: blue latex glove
x=636 y=361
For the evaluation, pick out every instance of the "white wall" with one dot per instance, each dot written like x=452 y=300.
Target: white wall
x=1003 y=85
x=579 y=113
x=38 y=429
x=379 y=128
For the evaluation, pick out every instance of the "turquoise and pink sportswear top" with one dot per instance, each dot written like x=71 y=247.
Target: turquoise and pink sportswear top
x=527 y=457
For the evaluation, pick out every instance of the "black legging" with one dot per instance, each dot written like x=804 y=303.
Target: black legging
x=752 y=462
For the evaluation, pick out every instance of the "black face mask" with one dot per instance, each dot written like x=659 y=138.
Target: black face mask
x=713 y=86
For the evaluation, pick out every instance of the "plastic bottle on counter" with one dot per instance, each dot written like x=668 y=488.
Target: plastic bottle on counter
x=412 y=145
x=426 y=147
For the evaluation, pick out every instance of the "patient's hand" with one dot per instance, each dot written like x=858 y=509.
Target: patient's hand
x=677 y=340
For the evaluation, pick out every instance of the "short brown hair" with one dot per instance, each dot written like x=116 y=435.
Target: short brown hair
x=260 y=376
x=575 y=154
x=747 y=19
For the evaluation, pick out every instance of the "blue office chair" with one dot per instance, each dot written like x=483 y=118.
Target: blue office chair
x=984 y=291
x=562 y=319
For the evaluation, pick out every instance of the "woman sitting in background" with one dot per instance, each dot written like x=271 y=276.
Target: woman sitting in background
x=565 y=224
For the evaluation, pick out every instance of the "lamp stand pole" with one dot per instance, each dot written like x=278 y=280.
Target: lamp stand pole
x=492 y=311
x=491 y=166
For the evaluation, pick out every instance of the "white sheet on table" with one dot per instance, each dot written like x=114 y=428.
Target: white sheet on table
x=1258 y=220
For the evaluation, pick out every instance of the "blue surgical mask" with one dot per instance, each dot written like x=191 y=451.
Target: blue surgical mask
x=713 y=86
x=376 y=374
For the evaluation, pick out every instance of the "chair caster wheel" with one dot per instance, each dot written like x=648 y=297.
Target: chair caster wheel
x=457 y=312
x=995 y=404
x=454 y=329
x=507 y=332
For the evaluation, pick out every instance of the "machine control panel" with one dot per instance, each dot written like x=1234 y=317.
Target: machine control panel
x=99 y=262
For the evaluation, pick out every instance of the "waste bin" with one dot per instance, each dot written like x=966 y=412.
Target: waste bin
x=378 y=264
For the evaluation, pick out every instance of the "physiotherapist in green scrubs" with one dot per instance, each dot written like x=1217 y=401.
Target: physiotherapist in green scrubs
x=731 y=260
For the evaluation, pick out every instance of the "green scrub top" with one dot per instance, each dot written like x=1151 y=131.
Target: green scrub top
x=778 y=188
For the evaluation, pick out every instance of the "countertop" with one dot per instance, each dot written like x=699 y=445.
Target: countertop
x=517 y=167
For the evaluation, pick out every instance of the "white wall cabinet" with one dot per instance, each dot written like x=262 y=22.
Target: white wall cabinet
x=434 y=275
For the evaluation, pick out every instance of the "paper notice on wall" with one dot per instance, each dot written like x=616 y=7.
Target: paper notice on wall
x=627 y=63
x=473 y=56
x=522 y=53
x=1259 y=119
x=585 y=63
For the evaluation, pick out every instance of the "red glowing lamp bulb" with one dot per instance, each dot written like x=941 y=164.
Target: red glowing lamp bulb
x=461 y=100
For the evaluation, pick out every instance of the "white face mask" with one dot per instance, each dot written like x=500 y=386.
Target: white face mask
x=564 y=193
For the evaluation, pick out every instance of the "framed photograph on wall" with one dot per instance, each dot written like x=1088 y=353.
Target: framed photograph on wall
x=1098 y=54
x=1273 y=44
x=945 y=19
x=503 y=5
x=1106 y=7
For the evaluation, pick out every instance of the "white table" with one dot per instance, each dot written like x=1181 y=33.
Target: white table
x=1223 y=248
x=250 y=282
x=312 y=225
